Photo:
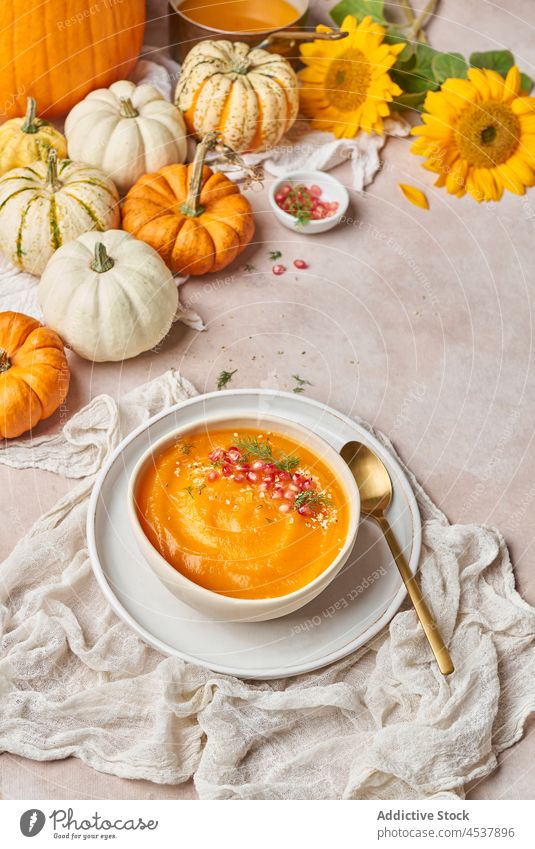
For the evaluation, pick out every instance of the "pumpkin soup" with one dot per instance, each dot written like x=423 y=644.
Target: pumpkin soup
x=240 y=15
x=250 y=515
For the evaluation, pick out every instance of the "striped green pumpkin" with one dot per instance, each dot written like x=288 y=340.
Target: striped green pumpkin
x=44 y=205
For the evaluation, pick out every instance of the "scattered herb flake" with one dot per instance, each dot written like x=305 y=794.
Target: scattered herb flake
x=300 y=384
x=249 y=268
x=275 y=255
x=189 y=490
x=224 y=378
x=186 y=447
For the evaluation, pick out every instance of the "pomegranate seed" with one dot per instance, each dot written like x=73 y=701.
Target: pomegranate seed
x=300 y=263
x=293 y=487
x=285 y=508
x=307 y=484
x=212 y=476
x=283 y=476
x=252 y=476
x=243 y=467
x=305 y=510
x=263 y=487
x=234 y=454
x=239 y=478
x=216 y=454
x=297 y=478
x=226 y=471
x=277 y=493
x=258 y=465
x=290 y=495
x=270 y=467
x=269 y=478
x=315 y=190
x=278 y=270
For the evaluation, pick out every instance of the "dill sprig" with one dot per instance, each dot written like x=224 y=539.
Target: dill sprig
x=252 y=446
x=224 y=378
x=313 y=499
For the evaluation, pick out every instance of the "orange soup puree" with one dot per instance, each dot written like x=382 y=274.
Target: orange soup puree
x=240 y=15
x=252 y=514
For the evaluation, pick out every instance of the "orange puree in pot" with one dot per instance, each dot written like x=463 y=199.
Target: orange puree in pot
x=252 y=514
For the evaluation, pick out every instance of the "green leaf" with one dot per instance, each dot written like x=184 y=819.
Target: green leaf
x=526 y=83
x=359 y=9
x=493 y=60
x=410 y=101
x=446 y=65
x=416 y=76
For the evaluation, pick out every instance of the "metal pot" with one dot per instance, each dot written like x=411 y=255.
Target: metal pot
x=185 y=33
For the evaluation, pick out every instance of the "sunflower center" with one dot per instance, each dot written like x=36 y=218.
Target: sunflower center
x=348 y=80
x=487 y=133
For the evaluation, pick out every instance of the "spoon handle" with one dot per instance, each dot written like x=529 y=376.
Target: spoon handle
x=413 y=588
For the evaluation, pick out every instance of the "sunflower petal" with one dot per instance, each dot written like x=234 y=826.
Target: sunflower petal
x=414 y=195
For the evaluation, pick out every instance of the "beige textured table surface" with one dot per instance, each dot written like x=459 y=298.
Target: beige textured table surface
x=421 y=322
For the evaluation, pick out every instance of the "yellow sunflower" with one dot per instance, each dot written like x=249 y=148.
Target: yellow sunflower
x=346 y=86
x=479 y=135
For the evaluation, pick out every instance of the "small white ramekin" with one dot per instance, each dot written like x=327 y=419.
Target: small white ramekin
x=333 y=190
x=224 y=608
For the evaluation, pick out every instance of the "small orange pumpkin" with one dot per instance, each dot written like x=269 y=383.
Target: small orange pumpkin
x=34 y=375
x=195 y=218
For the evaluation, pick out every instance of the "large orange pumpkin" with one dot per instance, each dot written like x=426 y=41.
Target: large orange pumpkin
x=34 y=375
x=197 y=219
x=59 y=50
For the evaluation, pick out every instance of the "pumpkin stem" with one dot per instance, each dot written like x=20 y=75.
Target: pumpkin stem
x=52 y=181
x=103 y=261
x=5 y=362
x=127 y=110
x=29 y=124
x=192 y=207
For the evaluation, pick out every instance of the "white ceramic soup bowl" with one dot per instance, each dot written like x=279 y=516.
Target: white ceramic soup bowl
x=225 y=608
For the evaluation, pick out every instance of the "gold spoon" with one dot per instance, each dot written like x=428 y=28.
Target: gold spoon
x=375 y=488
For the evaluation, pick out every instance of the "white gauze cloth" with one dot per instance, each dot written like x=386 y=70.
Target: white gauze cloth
x=383 y=723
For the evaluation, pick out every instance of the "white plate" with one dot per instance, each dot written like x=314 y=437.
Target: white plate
x=354 y=607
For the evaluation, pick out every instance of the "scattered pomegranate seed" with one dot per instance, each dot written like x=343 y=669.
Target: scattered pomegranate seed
x=263 y=487
x=307 y=484
x=234 y=454
x=258 y=465
x=239 y=478
x=285 y=508
x=212 y=476
x=270 y=467
x=297 y=478
x=243 y=467
x=305 y=510
x=216 y=454
x=283 y=476
x=278 y=269
x=252 y=476
x=300 y=263
x=290 y=495
x=269 y=478
x=226 y=471
x=277 y=492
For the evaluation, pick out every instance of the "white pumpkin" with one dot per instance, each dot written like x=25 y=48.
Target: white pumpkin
x=46 y=204
x=126 y=130
x=248 y=95
x=108 y=295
